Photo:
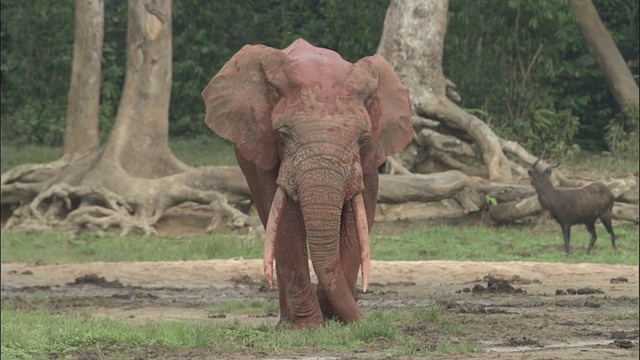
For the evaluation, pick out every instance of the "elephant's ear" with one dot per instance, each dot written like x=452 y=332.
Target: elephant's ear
x=390 y=111
x=239 y=101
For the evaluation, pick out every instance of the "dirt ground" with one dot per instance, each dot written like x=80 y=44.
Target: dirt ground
x=512 y=310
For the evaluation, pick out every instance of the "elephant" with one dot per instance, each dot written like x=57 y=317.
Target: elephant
x=310 y=130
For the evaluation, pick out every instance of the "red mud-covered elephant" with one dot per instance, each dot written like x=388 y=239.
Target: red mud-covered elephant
x=310 y=130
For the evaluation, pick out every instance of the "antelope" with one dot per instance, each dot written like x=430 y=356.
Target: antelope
x=574 y=206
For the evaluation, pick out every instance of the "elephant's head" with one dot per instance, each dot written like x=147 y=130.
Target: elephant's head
x=323 y=122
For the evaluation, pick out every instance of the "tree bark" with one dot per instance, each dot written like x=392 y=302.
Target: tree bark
x=601 y=45
x=413 y=41
x=139 y=139
x=83 y=107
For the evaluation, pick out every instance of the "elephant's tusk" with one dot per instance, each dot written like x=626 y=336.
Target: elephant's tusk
x=362 y=229
x=270 y=234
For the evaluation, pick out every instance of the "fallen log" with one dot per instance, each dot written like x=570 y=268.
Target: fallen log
x=442 y=209
x=394 y=189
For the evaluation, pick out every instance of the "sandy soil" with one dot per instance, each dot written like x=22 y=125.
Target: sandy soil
x=532 y=322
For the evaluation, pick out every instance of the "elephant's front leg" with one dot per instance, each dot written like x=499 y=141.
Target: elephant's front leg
x=298 y=301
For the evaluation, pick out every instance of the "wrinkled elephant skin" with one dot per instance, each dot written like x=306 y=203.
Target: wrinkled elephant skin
x=309 y=131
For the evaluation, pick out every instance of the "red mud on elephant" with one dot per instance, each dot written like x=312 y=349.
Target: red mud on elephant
x=310 y=130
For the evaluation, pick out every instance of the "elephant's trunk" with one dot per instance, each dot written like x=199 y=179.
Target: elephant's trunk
x=321 y=205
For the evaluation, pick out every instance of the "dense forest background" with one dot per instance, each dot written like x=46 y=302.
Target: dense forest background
x=521 y=66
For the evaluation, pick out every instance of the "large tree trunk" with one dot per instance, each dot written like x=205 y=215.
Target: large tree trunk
x=130 y=182
x=413 y=42
x=81 y=135
x=139 y=139
x=601 y=45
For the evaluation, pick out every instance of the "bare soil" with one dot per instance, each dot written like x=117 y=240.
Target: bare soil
x=512 y=310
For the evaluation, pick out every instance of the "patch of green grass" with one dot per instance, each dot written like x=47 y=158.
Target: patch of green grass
x=12 y=155
x=624 y=316
x=203 y=151
x=594 y=161
x=198 y=151
x=38 y=333
x=427 y=243
x=88 y=247
x=506 y=244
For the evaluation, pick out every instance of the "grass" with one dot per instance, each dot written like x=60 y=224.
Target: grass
x=426 y=243
x=630 y=315
x=203 y=151
x=198 y=151
x=507 y=244
x=38 y=334
x=595 y=161
x=88 y=247
x=12 y=155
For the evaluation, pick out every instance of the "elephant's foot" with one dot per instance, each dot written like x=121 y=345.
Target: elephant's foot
x=311 y=322
x=299 y=308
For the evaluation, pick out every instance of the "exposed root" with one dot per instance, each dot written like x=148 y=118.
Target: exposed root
x=137 y=207
x=100 y=218
x=222 y=209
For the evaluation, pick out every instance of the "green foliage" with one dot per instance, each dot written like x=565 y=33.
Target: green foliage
x=622 y=133
x=206 y=37
x=526 y=68
x=35 y=69
x=37 y=51
x=522 y=67
x=490 y=200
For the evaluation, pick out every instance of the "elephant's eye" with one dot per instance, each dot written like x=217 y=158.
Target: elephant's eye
x=363 y=138
x=285 y=133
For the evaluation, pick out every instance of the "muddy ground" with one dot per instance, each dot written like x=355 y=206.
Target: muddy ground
x=512 y=310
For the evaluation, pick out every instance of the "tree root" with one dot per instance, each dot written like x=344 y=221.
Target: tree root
x=135 y=208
